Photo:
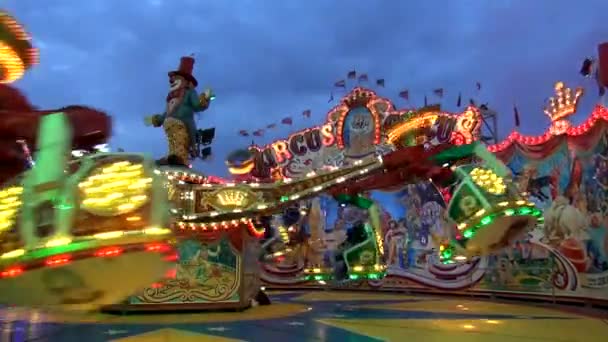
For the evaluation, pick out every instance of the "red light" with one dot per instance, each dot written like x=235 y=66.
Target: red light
x=12 y=272
x=58 y=260
x=158 y=247
x=172 y=257
x=156 y=285
x=172 y=273
x=109 y=252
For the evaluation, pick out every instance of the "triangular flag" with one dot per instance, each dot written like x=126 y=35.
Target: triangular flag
x=331 y=97
x=425 y=101
x=287 y=121
x=478 y=85
x=405 y=94
x=362 y=78
x=438 y=92
x=516 y=114
x=340 y=84
x=351 y=75
x=306 y=113
x=587 y=67
x=459 y=101
x=380 y=82
x=243 y=133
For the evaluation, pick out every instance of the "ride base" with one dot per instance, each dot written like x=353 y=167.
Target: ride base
x=214 y=270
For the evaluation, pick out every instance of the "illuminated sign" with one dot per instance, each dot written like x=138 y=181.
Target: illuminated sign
x=436 y=127
x=227 y=199
x=298 y=144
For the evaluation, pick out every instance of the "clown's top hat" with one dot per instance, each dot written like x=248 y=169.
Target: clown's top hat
x=186 y=66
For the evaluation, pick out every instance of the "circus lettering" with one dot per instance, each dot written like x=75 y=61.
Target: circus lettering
x=297 y=145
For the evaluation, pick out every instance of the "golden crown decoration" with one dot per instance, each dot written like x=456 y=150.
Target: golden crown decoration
x=225 y=199
x=359 y=97
x=564 y=103
x=561 y=106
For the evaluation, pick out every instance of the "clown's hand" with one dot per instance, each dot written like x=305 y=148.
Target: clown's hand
x=206 y=97
x=155 y=120
x=148 y=121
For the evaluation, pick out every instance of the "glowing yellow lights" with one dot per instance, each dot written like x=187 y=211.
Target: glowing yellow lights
x=11 y=63
x=58 y=242
x=488 y=181
x=564 y=103
x=157 y=231
x=116 y=189
x=480 y=212
x=16 y=50
x=424 y=120
x=109 y=235
x=10 y=201
x=468 y=326
x=358 y=268
x=234 y=198
x=13 y=254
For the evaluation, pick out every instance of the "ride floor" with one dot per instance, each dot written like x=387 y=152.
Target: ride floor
x=322 y=316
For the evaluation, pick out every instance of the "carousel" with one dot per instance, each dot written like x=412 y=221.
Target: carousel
x=182 y=240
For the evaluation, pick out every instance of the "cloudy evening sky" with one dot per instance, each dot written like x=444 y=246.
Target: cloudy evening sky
x=268 y=59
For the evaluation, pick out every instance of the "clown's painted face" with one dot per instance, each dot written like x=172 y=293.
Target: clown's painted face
x=176 y=82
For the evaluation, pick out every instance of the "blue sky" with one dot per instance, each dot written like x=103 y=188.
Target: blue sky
x=269 y=59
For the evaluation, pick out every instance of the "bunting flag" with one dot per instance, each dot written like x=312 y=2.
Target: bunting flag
x=287 y=121
x=405 y=94
x=352 y=75
x=243 y=133
x=271 y=126
x=587 y=67
x=472 y=102
x=478 y=85
x=340 y=84
x=362 y=78
x=306 y=113
x=380 y=82
x=258 y=133
x=331 y=97
x=425 y=101
x=516 y=115
x=459 y=101
x=438 y=92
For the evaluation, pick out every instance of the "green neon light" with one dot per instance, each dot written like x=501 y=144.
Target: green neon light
x=448 y=253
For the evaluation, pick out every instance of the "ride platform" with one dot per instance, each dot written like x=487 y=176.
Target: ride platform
x=324 y=316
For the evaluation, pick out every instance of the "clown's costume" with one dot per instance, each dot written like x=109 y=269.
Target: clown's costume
x=178 y=119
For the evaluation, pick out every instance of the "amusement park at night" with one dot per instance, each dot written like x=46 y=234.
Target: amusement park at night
x=371 y=221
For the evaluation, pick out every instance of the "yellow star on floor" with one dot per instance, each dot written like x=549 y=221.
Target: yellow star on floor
x=174 y=335
x=456 y=330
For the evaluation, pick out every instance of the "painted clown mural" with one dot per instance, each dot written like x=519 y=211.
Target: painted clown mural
x=563 y=172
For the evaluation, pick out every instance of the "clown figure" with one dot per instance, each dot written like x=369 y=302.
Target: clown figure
x=178 y=119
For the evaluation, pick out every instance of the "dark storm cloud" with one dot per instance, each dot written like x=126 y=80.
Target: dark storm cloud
x=269 y=59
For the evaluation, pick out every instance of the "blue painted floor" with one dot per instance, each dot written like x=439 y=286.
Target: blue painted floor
x=318 y=316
